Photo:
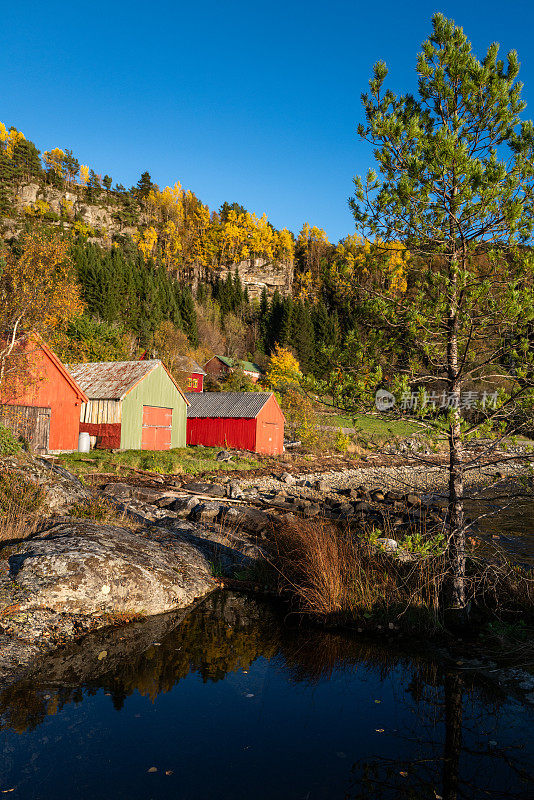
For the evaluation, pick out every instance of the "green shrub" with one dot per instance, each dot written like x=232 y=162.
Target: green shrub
x=8 y=443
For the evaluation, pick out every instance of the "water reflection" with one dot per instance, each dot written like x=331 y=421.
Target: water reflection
x=304 y=714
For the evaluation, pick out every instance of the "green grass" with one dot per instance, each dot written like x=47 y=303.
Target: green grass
x=181 y=460
x=370 y=425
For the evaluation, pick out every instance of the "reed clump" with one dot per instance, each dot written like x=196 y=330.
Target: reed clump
x=342 y=576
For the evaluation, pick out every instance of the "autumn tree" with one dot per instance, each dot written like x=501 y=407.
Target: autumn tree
x=285 y=378
x=456 y=189
x=38 y=295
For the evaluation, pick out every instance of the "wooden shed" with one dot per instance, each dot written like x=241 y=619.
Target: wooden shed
x=132 y=405
x=194 y=374
x=240 y=420
x=45 y=408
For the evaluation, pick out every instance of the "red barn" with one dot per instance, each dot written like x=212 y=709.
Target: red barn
x=239 y=420
x=46 y=407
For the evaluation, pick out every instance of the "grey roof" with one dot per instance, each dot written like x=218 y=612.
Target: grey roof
x=110 y=380
x=226 y=404
x=187 y=364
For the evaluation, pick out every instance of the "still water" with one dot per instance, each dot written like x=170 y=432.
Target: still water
x=234 y=702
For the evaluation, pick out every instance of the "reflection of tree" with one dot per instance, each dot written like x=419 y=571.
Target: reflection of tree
x=221 y=636
x=442 y=761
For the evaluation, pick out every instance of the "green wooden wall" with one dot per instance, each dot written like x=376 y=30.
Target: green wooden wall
x=156 y=389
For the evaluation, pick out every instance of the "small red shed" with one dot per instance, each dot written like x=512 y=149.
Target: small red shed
x=49 y=388
x=194 y=374
x=239 y=420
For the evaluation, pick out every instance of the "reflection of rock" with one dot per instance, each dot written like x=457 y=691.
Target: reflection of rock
x=85 y=568
x=224 y=633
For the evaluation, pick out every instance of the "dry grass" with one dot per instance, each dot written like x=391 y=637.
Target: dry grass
x=20 y=501
x=341 y=577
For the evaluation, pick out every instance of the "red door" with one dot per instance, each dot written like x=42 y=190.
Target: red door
x=157 y=426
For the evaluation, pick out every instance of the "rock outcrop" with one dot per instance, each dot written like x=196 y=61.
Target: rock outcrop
x=86 y=568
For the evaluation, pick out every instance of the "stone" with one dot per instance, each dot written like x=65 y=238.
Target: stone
x=321 y=486
x=412 y=499
x=224 y=455
x=213 y=489
x=184 y=505
x=378 y=496
x=389 y=545
x=362 y=507
x=205 y=512
x=119 y=491
x=287 y=477
x=253 y=520
x=313 y=510
x=234 y=491
x=88 y=568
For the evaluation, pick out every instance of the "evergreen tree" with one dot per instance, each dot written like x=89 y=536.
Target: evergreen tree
x=26 y=158
x=457 y=183
x=144 y=186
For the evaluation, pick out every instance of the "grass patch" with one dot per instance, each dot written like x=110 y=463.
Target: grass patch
x=371 y=425
x=179 y=461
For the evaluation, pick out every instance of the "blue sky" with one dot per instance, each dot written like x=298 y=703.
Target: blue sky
x=252 y=102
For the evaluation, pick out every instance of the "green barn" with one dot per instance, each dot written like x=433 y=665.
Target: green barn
x=133 y=405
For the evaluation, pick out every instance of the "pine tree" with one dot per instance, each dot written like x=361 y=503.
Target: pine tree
x=456 y=188
x=144 y=186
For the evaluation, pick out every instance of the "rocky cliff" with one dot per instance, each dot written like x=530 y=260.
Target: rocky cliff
x=107 y=219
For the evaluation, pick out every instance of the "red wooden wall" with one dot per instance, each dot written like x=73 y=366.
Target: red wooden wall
x=239 y=434
x=49 y=388
x=195 y=376
x=270 y=429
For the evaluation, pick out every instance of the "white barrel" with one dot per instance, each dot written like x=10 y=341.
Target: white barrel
x=84 y=443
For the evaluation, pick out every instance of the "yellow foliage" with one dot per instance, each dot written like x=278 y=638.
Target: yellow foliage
x=10 y=138
x=55 y=159
x=38 y=290
x=84 y=174
x=82 y=229
x=284 y=370
x=37 y=209
x=146 y=241
x=358 y=260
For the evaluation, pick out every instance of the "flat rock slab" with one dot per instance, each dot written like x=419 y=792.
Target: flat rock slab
x=87 y=568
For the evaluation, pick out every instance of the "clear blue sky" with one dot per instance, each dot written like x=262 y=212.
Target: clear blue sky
x=252 y=102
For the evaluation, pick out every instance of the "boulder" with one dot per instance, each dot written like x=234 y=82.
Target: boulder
x=119 y=491
x=61 y=489
x=205 y=512
x=224 y=455
x=212 y=489
x=91 y=569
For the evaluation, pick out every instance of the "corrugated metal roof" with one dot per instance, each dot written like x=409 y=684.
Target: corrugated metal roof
x=236 y=405
x=110 y=380
x=187 y=364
